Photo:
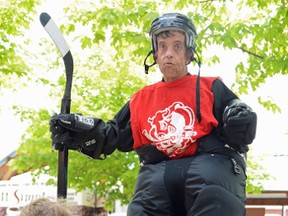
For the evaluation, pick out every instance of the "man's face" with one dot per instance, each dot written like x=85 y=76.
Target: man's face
x=171 y=55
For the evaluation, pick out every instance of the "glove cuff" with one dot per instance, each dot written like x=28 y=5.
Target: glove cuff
x=91 y=142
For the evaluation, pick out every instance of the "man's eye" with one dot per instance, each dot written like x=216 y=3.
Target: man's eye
x=178 y=47
x=161 y=46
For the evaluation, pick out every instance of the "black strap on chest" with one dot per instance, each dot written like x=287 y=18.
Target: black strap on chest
x=149 y=154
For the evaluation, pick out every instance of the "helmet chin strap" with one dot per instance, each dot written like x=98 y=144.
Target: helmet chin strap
x=148 y=66
x=198 y=111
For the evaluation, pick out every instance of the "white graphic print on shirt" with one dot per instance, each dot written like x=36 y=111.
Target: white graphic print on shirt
x=172 y=129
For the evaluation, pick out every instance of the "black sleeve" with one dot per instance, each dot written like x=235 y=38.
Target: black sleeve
x=118 y=134
x=222 y=96
x=105 y=138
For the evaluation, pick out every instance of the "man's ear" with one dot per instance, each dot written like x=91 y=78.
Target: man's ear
x=155 y=55
x=188 y=57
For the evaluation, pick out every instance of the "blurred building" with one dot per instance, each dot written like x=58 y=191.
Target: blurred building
x=18 y=190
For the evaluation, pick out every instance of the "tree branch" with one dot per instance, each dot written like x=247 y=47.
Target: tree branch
x=204 y=1
x=250 y=53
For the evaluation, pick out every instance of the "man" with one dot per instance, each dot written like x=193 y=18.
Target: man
x=190 y=133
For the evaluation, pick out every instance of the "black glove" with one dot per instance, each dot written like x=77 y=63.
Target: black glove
x=61 y=137
x=239 y=123
x=73 y=122
x=70 y=130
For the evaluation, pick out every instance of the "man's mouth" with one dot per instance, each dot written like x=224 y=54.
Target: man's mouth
x=169 y=63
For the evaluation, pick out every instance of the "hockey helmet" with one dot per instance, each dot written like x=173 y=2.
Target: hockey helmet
x=173 y=21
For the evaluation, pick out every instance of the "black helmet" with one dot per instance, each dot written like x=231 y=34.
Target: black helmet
x=174 y=21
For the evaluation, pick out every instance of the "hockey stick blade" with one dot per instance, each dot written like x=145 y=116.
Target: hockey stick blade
x=54 y=32
x=56 y=35
x=60 y=42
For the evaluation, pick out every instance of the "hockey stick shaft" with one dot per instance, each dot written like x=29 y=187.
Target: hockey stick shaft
x=56 y=35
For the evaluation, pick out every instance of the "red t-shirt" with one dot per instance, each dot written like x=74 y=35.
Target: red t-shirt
x=163 y=114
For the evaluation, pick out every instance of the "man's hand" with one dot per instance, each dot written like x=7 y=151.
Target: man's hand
x=77 y=132
x=64 y=128
x=239 y=123
x=73 y=122
x=60 y=136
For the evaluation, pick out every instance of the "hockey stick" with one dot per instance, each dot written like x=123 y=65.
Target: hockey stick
x=56 y=35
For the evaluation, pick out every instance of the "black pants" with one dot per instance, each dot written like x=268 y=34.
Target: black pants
x=202 y=185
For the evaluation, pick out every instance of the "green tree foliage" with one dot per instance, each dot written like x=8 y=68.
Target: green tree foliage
x=15 y=18
x=256 y=175
x=257 y=28
x=110 y=41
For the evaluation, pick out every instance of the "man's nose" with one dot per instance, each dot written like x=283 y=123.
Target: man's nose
x=169 y=52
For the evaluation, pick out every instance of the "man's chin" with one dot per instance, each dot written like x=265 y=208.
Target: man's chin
x=169 y=69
